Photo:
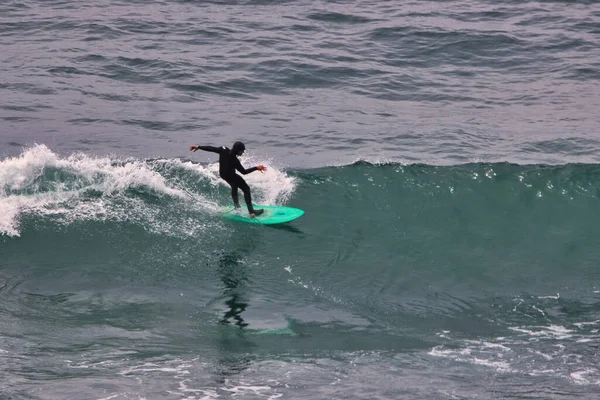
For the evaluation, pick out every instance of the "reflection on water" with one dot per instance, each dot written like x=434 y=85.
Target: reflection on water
x=233 y=275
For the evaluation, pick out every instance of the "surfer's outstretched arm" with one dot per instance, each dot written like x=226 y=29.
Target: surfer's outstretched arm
x=212 y=149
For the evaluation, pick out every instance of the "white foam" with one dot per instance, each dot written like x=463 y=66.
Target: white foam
x=179 y=369
x=588 y=340
x=501 y=366
x=246 y=387
x=110 y=397
x=508 y=354
x=472 y=356
x=210 y=171
x=579 y=377
x=9 y=211
x=25 y=190
x=551 y=331
x=582 y=324
x=496 y=346
x=541 y=372
x=273 y=187
x=550 y=297
x=539 y=310
x=185 y=389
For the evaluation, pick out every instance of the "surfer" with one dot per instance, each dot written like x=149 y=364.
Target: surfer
x=228 y=164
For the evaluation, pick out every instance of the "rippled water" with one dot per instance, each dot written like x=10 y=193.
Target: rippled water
x=456 y=260
x=311 y=83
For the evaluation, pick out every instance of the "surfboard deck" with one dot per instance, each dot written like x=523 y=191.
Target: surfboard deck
x=272 y=215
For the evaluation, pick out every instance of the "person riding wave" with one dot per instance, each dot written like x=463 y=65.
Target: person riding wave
x=228 y=164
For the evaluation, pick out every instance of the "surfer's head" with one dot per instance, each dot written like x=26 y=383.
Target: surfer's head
x=238 y=148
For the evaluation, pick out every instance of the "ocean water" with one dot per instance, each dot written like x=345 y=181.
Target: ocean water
x=446 y=154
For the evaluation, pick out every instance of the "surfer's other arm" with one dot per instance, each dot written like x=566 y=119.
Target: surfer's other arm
x=244 y=171
x=212 y=149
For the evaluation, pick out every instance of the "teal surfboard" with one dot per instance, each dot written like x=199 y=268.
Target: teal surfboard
x=272 y=215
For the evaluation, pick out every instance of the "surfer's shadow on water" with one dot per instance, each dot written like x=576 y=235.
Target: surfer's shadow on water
x=286 y=228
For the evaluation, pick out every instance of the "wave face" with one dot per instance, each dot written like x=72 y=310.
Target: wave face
x=488 y=270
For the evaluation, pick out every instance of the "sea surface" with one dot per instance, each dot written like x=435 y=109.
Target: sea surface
x=446 y=153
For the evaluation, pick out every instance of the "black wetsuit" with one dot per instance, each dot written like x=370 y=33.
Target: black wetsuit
x=228 y=164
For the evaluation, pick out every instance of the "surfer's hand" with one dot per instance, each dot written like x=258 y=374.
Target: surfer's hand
x=261 y=168
x=193 y=148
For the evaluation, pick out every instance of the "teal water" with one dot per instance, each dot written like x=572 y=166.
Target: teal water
x=120 y=278
x=445 y=153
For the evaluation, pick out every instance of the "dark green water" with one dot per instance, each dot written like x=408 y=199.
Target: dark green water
x=119 y=278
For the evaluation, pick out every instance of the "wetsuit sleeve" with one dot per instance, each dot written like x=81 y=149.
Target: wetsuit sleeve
x=212 y=149
x=238 y=166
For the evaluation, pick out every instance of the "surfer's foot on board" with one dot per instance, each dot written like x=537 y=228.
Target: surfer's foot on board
x=256 y=213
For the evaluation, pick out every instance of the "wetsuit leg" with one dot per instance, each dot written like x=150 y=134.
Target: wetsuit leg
x=236 y=182
x=234 y=192
x=241 y=183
